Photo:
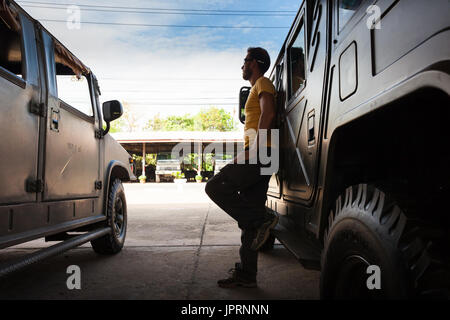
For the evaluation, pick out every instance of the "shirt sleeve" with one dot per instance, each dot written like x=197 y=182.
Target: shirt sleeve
x=265 y=85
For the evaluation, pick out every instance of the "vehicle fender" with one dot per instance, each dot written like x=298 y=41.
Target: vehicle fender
x=115 y=169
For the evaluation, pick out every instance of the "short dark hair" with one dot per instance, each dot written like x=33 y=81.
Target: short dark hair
x=261 y=56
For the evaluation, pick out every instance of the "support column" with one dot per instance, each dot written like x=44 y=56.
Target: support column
x=143 y=159
x=200 y=157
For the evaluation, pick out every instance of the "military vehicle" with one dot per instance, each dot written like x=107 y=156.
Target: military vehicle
x=364 y=178
x=61 y=172
x=166 y=167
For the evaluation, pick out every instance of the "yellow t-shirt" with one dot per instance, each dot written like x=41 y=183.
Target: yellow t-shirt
x=253 y=109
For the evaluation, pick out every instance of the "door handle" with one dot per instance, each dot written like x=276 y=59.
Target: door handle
x=311 y=128
x=54 y=122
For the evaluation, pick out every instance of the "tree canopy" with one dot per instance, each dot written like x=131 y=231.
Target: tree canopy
x=212 y=119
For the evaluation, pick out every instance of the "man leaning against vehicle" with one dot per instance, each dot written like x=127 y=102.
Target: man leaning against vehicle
x=240 y=187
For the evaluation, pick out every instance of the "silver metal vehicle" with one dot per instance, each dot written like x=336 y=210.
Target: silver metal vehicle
x=60 y=171
x=166 y=167
x=219 y=163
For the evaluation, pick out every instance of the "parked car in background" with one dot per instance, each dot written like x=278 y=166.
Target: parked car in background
x=221 y=161
x=166 y=167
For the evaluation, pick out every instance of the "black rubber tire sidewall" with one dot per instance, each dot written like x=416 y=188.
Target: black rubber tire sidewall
x=111 y=243
x=351 y=237
x=356 y=230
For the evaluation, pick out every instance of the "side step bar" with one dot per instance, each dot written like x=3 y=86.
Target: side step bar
x=52 y=251
x=299 y=246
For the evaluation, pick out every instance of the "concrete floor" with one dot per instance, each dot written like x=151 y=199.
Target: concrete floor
x=178 y=245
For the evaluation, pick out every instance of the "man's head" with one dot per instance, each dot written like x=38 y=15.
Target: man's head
x=257 y=62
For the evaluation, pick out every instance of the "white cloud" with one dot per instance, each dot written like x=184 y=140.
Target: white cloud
x=134 y=64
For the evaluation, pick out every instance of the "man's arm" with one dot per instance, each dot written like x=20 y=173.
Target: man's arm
x=268 y=113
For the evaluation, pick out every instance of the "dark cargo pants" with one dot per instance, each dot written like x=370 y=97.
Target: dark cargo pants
x=240 y=190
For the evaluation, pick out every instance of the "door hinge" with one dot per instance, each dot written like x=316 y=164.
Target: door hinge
x=98 y=185
x=34 y=186
x=98 y=134
x=39 y=109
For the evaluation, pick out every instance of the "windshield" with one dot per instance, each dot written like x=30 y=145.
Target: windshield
x=220 y=156
x=165 y=156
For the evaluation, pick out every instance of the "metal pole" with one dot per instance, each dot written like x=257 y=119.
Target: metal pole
x=143 y=159
x=200 y=157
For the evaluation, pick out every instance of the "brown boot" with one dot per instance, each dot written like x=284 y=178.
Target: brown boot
x=237 y=279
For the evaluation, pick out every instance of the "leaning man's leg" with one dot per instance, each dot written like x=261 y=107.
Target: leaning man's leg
x=227 y=189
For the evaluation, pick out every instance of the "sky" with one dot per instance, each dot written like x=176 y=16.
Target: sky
x=156 y=57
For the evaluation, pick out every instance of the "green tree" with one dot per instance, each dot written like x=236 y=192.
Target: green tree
x=179 y=123
x=212 y=119
x=126 y=123
x=155 y=124
x=208 y=163
x=115 y=126
x=150 y=161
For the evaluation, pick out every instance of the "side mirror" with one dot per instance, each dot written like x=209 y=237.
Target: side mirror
x=112 y=110
x=243 y=95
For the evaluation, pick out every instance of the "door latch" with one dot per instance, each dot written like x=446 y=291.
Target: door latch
x=311 y=127
x=54 y=121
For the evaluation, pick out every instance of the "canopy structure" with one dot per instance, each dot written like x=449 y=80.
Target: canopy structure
x=64 y=56
x=9 y=15
x=201 y=143
x=165 y=141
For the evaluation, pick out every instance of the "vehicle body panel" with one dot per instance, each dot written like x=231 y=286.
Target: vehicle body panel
x=56 y=162
x=17 y=96
x=356 y=70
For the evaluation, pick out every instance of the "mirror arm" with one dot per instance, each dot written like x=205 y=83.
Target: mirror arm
x=105 y=132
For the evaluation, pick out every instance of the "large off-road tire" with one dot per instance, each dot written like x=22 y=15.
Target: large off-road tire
x=368 y=228
x=116 y=219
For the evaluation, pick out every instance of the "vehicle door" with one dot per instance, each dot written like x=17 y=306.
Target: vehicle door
x=19 y=107
x=306 y=54
x=274 y=188
x=72 y=149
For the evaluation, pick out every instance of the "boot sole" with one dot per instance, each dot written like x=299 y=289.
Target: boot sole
x=266 y=234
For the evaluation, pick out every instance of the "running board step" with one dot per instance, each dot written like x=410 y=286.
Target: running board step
x=299 y=246
x=52 y=251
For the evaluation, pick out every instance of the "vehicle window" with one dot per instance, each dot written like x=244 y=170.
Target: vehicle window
x=281 y=91
x=165 y=156
x=279 y=82
x=346 y=10
x=72 y=89
x=296 y=54
x=10 y=48
x=221 y=156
